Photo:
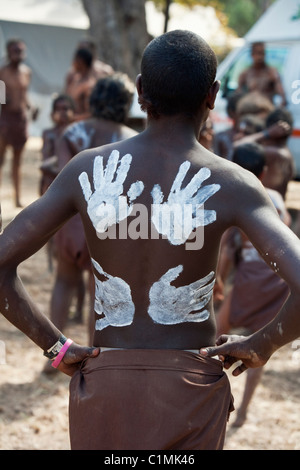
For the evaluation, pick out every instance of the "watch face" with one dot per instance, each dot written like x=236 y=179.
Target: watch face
x=52 y=352
x=57 y=348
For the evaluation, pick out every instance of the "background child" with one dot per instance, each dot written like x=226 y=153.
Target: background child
x=62 y=115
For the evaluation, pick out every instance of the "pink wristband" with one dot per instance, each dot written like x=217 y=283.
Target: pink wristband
x=61 y=353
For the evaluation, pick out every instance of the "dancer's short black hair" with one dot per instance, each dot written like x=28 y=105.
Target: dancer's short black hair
x=13 y=41
x=57 y=98
x=85 y=55
x=178 y=68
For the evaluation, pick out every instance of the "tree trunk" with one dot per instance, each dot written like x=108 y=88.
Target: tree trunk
x=120 y=30
x=167 y=14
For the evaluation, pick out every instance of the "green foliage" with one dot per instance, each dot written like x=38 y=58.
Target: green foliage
x=238 y=15
x=243 y=14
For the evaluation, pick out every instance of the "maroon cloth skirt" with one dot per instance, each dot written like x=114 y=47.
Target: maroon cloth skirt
x=13 y=128
x=139 y=399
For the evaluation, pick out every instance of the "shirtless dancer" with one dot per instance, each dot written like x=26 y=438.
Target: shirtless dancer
x=242 y=308
x=280 y=166
x=80 y=84
x=99 y=68
x=14 y=114
x=261 y=77
x=144 y=385
x=85 y=71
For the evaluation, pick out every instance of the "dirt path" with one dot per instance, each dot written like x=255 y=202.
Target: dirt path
x=34 y=407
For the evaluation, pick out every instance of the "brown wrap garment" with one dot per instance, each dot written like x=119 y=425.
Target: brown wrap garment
x=139 y=399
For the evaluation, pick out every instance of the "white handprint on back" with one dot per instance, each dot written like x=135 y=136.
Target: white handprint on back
x=107 y=205
x=183 y=211
x=80 y=136
x=112 y=301
x=170 y=305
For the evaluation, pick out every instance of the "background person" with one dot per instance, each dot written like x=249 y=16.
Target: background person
x=280 y=165
x=242 y=309
x=14 y=115
x=262 y=78
x=80 y=83
x=110 y=102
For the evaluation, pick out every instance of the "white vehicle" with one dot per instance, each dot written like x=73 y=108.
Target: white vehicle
x=279 y=29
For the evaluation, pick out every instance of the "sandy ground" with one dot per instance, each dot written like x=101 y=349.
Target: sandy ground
x=34 y=407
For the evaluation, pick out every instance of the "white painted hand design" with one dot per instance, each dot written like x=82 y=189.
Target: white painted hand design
x=107 y=206
x=170 y=305
x=183 y=211
x=113 y=301
x=80 y=136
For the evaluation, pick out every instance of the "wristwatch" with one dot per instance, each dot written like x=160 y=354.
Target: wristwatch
x=54 y=350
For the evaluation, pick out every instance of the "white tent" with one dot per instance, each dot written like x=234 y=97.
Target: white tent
x=51 y=30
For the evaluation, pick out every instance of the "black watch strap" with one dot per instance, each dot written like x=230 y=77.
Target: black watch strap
x=54 y=350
